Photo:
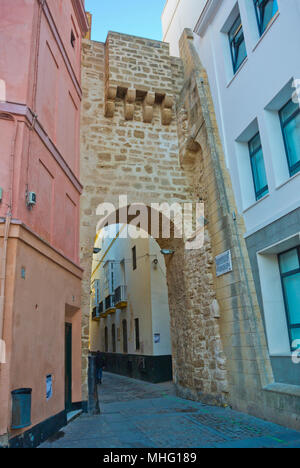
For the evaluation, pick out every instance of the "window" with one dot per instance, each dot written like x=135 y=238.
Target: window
x=125 y=343
x=113 y=336
x=137 y=334
x=289 y=263
x=237 y=44
x=112 y=279
x=97 y=292
x=106 y=339
x=134 y=258
x=265 y=11
x=290 y=123
x=258 y=167
x=109 y=277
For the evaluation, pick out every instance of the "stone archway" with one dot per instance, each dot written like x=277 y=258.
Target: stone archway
x=130 y=147
x=149 y=132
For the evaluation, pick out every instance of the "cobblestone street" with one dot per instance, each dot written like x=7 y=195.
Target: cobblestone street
x=137 y=414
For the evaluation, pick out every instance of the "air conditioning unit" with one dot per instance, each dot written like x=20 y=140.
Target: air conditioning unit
x=31 y=199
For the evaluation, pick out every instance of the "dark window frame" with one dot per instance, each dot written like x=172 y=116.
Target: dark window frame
x=134 y=262
x=259 y=6
x=125 y=336
x=113 y=335
x=137 y=334
x=106 y=339
x=264 y=190
x=282 y=276
x=295 y=168
x=234 y=47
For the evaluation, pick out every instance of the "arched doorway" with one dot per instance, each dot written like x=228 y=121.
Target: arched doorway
x=195 y=341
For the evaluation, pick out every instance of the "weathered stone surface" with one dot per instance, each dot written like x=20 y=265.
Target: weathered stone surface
x=114 y=146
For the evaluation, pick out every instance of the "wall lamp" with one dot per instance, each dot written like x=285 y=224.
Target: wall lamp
x=96 y=250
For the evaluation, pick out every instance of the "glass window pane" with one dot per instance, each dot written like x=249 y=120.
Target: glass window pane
x=289 y=261
x=241 y=54
x=288 y=110
x=259 y=172
x=258 y=167
x=292 y=138
x=292 y=296
x=255 y=144
x=237 y=43
x=235 y=28
x=270 y=8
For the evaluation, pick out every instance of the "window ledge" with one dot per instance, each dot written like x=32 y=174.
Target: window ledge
x=266 y=31
x=288 y=180
x=284 y=389
x=237 y=72
x=256 y=203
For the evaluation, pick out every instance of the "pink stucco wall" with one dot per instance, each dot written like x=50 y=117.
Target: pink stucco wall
x=41 y=71
x=58 y=112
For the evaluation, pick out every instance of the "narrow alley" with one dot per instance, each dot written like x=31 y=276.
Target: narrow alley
x=137 y=414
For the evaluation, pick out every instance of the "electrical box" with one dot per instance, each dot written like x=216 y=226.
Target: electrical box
x=31 y=199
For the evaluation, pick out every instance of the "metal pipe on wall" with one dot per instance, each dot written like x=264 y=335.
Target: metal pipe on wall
x=12 y=118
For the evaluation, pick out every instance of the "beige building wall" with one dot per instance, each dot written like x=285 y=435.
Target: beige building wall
x=147 y=293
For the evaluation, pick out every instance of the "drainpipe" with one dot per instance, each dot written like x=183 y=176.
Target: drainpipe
x=8 y=217
x=41 y=4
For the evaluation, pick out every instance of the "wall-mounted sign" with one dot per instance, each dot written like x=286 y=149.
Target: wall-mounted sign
x=156 y=337
x=224 y=263
x=49 y=387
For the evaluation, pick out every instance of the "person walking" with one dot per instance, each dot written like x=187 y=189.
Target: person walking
x=100 y=365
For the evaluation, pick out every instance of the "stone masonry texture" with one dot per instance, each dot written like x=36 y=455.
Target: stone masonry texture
x=149 y=132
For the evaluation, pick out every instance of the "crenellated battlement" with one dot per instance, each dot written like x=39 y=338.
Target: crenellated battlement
x=138 y=70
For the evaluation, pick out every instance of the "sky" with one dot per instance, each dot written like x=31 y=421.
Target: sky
x=135 y=17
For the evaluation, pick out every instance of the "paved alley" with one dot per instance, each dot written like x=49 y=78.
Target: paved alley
x=142 y=415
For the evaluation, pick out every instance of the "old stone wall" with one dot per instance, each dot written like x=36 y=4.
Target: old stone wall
x=129 y=146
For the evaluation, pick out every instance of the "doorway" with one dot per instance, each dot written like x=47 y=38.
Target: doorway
x=68 y=367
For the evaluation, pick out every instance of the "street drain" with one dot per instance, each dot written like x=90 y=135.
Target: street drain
x=179 y=410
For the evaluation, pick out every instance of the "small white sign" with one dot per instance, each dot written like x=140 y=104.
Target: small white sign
x=2 y=352
x=2 y=91
x=224 y=263
x=49 y=387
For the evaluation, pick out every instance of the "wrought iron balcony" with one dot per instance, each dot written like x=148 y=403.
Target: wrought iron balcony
x=97 y=312
x=110 y=307
x=121 y=297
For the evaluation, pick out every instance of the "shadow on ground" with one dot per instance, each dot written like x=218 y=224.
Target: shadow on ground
x=137 y=414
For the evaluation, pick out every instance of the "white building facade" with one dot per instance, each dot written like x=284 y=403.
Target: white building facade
x=130 y=319
x=250 y=50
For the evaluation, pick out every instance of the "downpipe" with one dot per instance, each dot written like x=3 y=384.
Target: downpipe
x=8 y=217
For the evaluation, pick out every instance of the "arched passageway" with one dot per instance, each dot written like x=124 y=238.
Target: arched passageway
x=149 y=135
x=130 y=317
